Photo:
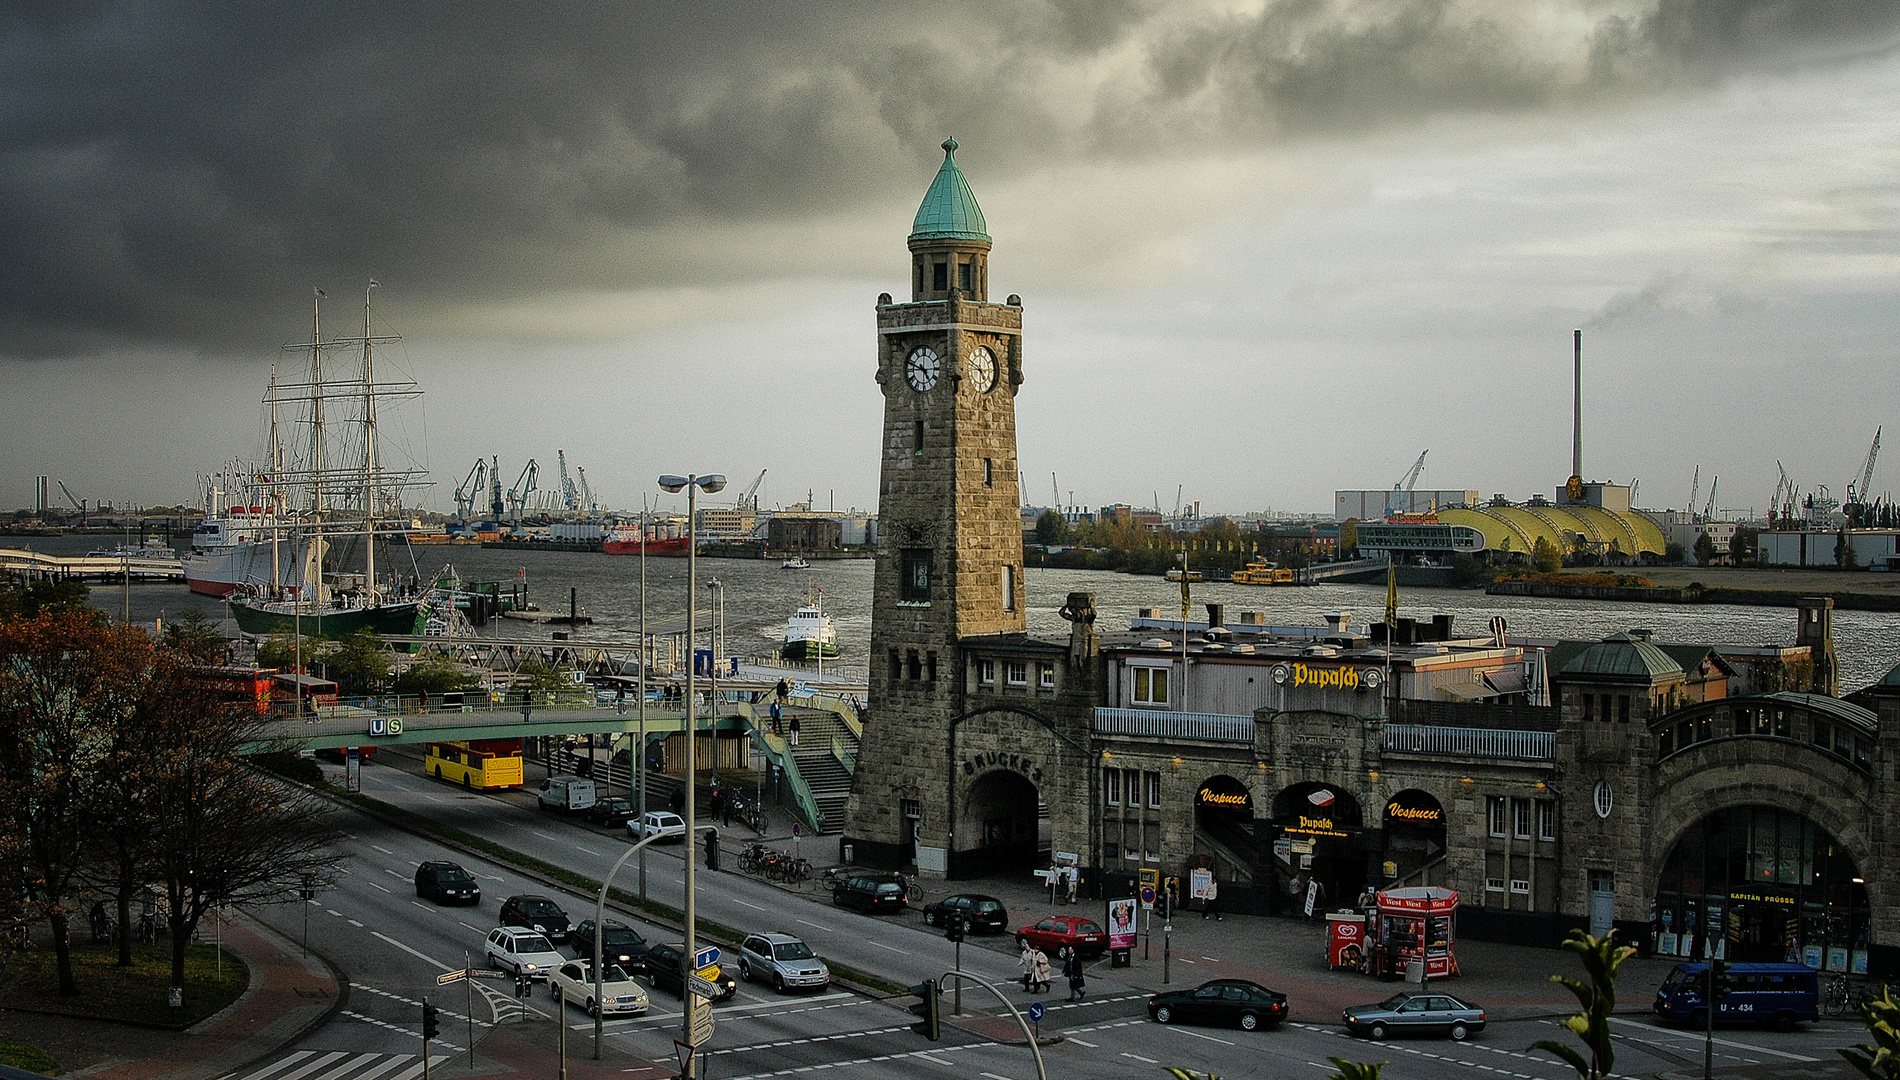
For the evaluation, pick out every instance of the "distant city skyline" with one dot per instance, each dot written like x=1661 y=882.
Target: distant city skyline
x=1266 y=251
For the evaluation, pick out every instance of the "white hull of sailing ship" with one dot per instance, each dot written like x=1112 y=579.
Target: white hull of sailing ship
x=233 y=552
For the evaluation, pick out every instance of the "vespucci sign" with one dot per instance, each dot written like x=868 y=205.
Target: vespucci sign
x=1211 y=797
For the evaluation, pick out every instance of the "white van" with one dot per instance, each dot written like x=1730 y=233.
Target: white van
x=567 y=794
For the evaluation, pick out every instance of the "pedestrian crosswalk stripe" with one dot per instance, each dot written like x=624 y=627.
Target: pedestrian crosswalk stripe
x=343 y=1065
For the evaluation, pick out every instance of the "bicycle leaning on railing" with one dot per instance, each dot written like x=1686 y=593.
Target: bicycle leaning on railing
x=774 y=865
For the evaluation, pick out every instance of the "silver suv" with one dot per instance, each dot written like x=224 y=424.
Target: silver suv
x=783 y=960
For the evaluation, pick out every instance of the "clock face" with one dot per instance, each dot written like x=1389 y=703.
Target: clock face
x=922 y=369
x=982 y=369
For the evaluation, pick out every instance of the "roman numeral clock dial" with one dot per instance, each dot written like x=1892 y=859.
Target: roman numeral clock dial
x=922 y=369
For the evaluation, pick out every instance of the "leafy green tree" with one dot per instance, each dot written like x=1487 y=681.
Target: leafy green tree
x=358 y=664
x=1704 y=549
x=194 y=635
x=1052 y=528
x=1672 y=552
x=1355 y=1070
x=1349 y=538
x=1844 y=555
x=1880 y=1059
x=280 y=651
x=42 y=596
x=435 y=675
x=1545 y=557
x=1601 y=958
x=1741 y=546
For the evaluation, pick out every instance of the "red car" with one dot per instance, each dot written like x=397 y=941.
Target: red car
x=1063 y=932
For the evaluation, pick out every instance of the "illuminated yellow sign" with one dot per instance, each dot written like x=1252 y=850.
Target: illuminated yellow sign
x=1223 y=798
x=1315 y=826
x=1339 y=678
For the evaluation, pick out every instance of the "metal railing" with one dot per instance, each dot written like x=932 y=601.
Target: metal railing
x=1496 y=743
x=1159 y=724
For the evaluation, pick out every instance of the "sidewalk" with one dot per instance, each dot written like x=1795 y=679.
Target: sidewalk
x=288 y=996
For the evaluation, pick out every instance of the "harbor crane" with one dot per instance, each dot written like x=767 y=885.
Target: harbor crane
x=1858 y=494
x=1405 y=485
x=570 y=495
x=79 y=504
x=1695 y=491
x=1708 y=512
x=749 y=498
x=587 y=493
x=494 y=490
x=524 y=486
x=470 y=489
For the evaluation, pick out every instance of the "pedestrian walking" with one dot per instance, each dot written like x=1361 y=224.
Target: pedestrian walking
x=778 y=716
x=1027 y=962
x=1072 y=877
x=1208 y=904
x=527 y=704
x=1072 y=968
x=1042 y=971
x=782 y=690
x=620 y=700
x=794 y=727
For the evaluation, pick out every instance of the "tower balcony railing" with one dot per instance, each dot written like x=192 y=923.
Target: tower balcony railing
x=1161 y=724
x=1466 y=742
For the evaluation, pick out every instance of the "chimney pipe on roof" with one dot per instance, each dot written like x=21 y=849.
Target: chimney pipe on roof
x=1576 y=405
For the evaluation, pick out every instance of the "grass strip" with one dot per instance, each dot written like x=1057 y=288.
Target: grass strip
x=135 y=995
x=652 y=909
x=28 y=1057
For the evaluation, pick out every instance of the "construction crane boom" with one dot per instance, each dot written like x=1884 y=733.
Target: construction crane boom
x=570 y=495
x=1859 y=492
x=1406 y=484
x=494 y=489
x=1708 y=512
x=470 y=489
x=1055 y=492
x=750 y=497
x=524 y=486
x=1695 y=490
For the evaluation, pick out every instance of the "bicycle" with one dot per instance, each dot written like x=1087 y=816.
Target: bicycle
x=913 y=892
x=1834 y=996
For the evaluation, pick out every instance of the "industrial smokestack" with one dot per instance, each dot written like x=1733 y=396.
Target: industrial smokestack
x=1576 y=405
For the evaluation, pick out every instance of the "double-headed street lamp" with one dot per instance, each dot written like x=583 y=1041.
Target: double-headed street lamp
x=693 y=486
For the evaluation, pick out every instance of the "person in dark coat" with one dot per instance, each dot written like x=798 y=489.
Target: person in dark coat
x=1072 y=968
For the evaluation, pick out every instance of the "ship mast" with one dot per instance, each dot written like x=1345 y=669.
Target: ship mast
x=276 y=493
x=369 y=454
x=314 y=552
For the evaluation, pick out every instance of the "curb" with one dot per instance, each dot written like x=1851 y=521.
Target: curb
x=312 y=962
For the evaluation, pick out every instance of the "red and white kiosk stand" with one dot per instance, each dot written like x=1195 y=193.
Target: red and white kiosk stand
x=1411 y=933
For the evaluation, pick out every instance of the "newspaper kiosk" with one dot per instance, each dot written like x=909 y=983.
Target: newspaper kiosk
x=1410 y=933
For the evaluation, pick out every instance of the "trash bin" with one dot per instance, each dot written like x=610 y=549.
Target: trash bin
x=1119 y=957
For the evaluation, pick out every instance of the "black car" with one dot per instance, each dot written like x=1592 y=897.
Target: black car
x=664 y=967
x=1247 y=1005
x=447 y=883
x=980 y=912
x=622 y=944
x=537 y=912
x=870 y=893
x=613 y=813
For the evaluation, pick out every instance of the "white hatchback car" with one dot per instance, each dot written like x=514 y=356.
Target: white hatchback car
x=574 y=981
x=667 y=826
x=522 y=951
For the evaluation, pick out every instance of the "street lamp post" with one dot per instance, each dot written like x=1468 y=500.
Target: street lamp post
x=646 y=655
x=718 y=642
x=693 y=484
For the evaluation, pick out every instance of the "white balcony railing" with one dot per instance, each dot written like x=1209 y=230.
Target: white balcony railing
x=1161 y=724
x=1504 y=744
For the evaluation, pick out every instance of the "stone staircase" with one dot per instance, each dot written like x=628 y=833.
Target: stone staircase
x=829 y=780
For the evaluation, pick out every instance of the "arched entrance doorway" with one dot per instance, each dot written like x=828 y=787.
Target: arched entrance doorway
x=1414 y=839
x=1224 y=836
x=1755 y=883
x=999 y=809
x=1319 y=840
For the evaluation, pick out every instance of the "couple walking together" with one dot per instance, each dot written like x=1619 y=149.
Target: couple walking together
x=1036 y=971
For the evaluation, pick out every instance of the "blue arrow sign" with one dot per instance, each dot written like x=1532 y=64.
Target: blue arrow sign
x=706 y=956
x=1035 y=1012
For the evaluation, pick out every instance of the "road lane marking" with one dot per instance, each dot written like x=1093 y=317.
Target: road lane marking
x=420 y=956
x=587 y=851
x=393 y=1061
x=1138 y=1057
x=356 y=924
x=937 y=1061
x=284 y=1064
x=393 y=874
x=382 y=849
x=808 y=922
x=879 y=944
x=545 y=836
x=1198 y=1035
x=477 y=929
x=1085 y=1042
x=373 y=885
x=1718 y=1042
x=742 y=903
x=312 y=1066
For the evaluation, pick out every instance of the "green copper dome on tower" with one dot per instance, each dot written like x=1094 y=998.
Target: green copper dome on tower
x=949 y=211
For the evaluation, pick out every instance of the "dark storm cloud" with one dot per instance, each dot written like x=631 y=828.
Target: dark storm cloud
x=180 y=175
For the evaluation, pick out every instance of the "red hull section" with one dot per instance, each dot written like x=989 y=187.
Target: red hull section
x=667 y=547
x=211 y=588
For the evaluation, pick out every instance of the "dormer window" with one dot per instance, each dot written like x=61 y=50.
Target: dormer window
x=963 y=275
x=939 y=276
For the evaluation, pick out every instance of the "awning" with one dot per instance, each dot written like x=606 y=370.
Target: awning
x=1507 y=680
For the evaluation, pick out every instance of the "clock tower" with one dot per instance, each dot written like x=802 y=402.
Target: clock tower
x=949 y=573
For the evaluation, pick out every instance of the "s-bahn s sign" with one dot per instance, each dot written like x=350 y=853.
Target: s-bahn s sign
x=385 y=725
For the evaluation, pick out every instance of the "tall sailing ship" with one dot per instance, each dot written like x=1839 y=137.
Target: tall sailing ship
x=322 y=514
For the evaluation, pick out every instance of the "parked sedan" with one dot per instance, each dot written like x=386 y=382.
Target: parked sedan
x=1246 y=1005
x=663 y=971
x=782 y=960
x=574 y=982
x=982 y=913
x=1416 y=1013
x=667 y=826
x=1065 y=932
x=622 y=943
x=612 y=813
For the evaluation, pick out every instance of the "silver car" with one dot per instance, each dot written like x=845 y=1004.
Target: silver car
x=1420 y=1013
x=782 y=960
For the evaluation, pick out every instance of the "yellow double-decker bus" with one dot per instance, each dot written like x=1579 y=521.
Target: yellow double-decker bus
x=480 y=763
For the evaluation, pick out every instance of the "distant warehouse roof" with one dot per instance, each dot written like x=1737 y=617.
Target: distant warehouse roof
x=1517 y=528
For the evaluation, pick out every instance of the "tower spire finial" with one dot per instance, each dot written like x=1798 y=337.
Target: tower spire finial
x=950 y=145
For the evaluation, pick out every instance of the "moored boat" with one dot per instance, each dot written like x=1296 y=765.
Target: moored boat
x=809 y=635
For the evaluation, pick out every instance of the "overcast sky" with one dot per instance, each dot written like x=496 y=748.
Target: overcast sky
x=1266 y=250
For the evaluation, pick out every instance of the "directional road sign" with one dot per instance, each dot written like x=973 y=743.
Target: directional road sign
x=492 y=976
x=448 y=977
x=1147 y=896
x=706 y=957
x=1035 y=1012
x=702 y=986
x=699 y=1012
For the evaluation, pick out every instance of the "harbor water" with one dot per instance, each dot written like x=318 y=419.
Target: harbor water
x=759 y=596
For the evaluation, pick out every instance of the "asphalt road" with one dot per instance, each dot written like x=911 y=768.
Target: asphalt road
x=393 y=946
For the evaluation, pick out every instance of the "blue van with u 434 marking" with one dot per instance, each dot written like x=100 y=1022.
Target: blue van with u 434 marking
x=1778 y=994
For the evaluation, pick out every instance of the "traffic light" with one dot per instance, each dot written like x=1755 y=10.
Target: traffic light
x=431 y=1024
x=523 y=985
x=1718 y=980
x=953 y=926
x=929 y=1010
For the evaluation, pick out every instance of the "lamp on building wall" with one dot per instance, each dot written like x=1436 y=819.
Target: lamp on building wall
x=1373 y=775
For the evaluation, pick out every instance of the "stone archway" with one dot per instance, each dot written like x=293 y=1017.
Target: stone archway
x=1760 y=883
x=1319 y=838
x=1414 y=838
x=999 y=808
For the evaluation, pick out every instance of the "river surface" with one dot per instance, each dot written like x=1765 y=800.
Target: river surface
x=759 y=596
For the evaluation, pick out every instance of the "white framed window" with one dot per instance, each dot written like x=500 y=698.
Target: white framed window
x=1154 y=789
x=1494 y=811
x=986 y=672
x=1046 y=676
x=1520 y=887
x=1546 y=819
x=1149 y=686
x=1494 y=884
x=1016 y=672
x=1112 y=786
x=1009 y=588
x=1521 y=818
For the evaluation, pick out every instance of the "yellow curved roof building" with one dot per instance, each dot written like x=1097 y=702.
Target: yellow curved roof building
x=1518 y=528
